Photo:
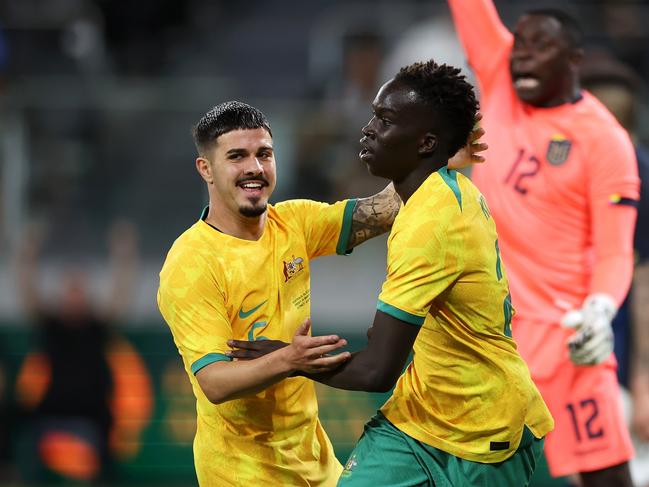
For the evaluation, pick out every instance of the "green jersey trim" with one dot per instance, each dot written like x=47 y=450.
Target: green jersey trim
x=208 y=359
x=346 y=229
x=450 y=178
x=400 y=314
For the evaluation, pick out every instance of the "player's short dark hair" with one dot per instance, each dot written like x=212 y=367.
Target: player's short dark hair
x=571 y=29
x=223 y=118
x=446 y=91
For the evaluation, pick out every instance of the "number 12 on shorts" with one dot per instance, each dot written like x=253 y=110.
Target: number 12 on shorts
x=584 y=414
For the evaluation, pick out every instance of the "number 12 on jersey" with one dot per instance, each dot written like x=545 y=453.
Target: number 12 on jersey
x=524 y=167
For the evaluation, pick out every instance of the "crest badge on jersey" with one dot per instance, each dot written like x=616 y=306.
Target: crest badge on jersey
x=292 y=267
x=558 y=150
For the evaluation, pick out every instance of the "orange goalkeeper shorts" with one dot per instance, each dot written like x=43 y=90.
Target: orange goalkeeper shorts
x=590 y=432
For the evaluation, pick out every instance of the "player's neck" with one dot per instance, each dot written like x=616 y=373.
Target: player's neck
x=570 y=95
x=236 y=224
x=406 y=187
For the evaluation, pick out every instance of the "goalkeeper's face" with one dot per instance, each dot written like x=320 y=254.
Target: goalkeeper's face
x=242 y=171
x=543 y=63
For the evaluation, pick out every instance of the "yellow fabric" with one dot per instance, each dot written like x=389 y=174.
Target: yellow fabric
x=215 y=287
x=467 y=386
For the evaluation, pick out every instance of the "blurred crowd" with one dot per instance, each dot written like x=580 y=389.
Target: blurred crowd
x=96 y=95
x=96 y=101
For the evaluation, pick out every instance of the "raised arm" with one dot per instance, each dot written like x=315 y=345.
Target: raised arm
x=483 y=35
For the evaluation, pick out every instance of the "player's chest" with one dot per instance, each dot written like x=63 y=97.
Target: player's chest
x=268 y=290
x=537 y=162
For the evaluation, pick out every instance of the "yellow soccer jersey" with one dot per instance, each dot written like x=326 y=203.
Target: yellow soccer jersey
x=215 y=287
x=467 y=390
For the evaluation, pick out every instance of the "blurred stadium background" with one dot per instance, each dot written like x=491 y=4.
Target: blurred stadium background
x=97 y=98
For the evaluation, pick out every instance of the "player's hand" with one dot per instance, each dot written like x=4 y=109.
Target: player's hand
x=247 y=350
x=592 y=343
x=469 y=154
x=312 y=355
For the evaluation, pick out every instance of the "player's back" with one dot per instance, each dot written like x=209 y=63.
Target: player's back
x=444 y=263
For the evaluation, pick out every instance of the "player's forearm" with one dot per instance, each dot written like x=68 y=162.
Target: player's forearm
x=613 y=241
x=225 y=381
x=612 y=276
x=640 y=328
x=374 y=216
x=360 y=373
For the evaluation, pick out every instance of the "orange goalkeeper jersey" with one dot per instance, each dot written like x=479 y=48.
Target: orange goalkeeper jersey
x=556 y=180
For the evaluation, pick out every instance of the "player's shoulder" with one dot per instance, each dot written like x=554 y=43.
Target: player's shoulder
x=439 y=198
x=596 y=122
x=295 y=207
x=289 y=213
x=301 y=211
x=455 y=189
x=192 y=245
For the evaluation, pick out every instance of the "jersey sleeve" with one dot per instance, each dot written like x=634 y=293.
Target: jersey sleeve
x=613 y=186
x=193 y=305
x=486 y=40
x=326 y=227
x=421 y=266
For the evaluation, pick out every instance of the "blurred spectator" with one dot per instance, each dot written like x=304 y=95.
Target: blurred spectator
x=624 y=25
x=430 y=38
x=83 y=381
x=326 y=161
x=618 y=87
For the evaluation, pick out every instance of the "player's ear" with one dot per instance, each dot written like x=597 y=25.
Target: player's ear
x=576 y=57
x=204 y=169
x=427 y=144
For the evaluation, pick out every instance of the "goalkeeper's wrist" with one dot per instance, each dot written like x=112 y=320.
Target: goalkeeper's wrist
x=602 y=304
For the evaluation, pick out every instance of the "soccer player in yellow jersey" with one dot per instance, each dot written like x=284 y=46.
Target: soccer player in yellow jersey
x=465 y=412
x=242 y=272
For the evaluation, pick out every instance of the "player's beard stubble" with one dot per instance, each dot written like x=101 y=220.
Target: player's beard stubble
x=254 y=209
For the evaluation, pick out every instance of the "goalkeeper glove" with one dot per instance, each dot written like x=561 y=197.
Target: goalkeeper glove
x=592 y=342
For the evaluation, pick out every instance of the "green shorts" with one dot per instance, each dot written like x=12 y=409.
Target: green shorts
x=384 y=455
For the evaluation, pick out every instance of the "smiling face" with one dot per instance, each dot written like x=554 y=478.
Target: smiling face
x=240 y=171
x=543 y=64
x=398 y=134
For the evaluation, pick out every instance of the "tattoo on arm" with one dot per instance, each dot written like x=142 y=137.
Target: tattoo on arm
x=374 y=216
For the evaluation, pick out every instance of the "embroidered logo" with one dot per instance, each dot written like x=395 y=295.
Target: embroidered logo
x=293 y=267
x=244 y=314
x=558 y=150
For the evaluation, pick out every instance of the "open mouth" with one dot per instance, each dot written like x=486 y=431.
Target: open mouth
x=252 y=187
x=365 y=152
x=526 y=82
